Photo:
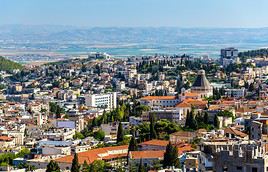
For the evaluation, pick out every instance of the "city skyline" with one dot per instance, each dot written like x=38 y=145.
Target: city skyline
x=139 y=13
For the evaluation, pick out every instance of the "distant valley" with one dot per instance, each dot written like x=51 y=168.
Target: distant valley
x=20 y=42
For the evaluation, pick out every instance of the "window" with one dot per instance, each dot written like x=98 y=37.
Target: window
x=254 y=169
x=239 y=168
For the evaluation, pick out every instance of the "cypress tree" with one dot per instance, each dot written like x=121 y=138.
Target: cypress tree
x=171 y=156
x=191 y=121
x=179 y=85
x=251 y=87
x=75 y=164
x=222 y=91
x=120 y=134
x=216 y=122
x=94 y=122
x=141 y=167
x=214 y=92
x=153 y=134
x=53 y=167
x=104 y=118
x=168 y=156
x=85 y=167
x=206 y=118
x=133 y=146
x=187 y=121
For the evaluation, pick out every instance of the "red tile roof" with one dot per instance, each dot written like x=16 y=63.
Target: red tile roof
x=96 y=154
x=184 y=134
x=235 y=132
x=184 y=147
x=5 y=138
x=190 y=94
x=158 y=98
x=146 y=154
x=155 y=143
x=192 y=102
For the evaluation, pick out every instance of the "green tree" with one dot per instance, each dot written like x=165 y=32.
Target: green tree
x=170 y=156
x=120 y=133
x=144 y=131
x=94 y=122
x=26 y=166
x=78 y=135
x=191 y=122
x=53 y=167
x=133 y=145
x=8 y=65
x=75 y=164
x=251 y=87
x=56 y=109
x=153 y=134
x=164 y=128
x=119 y=113
x=23 y=152
x=187 y=120
x=179 y=85
x=141 y=167
x=99 y=135
x=216 y=121
x=225 y=113
x=7 y=158
x=97 y=166
x=206 y=120
x=85 y=167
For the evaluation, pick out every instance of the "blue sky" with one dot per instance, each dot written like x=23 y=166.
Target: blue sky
x=178 y=13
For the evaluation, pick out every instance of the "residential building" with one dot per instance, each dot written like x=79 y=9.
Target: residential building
x=237 y=158
x=108 y=101
x=153 y=145
x=236 y=93
x=148 y=158
x=115 y=155
x=228 y=55
x=159 y=101
x=6 y=142
x=182 y=136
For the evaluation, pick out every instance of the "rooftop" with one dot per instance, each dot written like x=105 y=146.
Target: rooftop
x=192 y=102
x=146 y=154
x=155 y=142
x=97 y=154
x=5 y=138
x=158 y=98
x=201 y=80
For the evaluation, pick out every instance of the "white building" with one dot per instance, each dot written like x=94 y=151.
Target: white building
x=53 y=150
x=236 y=93
x=121 y=85
x=101 y=100
x=160 y=101
x=17 y=136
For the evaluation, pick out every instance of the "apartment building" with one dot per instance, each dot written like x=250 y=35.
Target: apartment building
x=107 y=101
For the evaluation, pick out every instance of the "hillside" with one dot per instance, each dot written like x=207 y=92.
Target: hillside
x=8 y=65
x=254 y=53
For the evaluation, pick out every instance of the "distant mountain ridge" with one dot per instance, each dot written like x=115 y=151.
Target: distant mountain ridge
x=56 y=34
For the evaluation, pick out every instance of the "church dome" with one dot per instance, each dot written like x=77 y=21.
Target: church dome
x=201 y=81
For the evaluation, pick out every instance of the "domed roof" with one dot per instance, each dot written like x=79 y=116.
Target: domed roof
x=201 y=80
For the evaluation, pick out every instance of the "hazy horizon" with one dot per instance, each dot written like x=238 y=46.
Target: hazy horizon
x=138 y=13
x=90 y=27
